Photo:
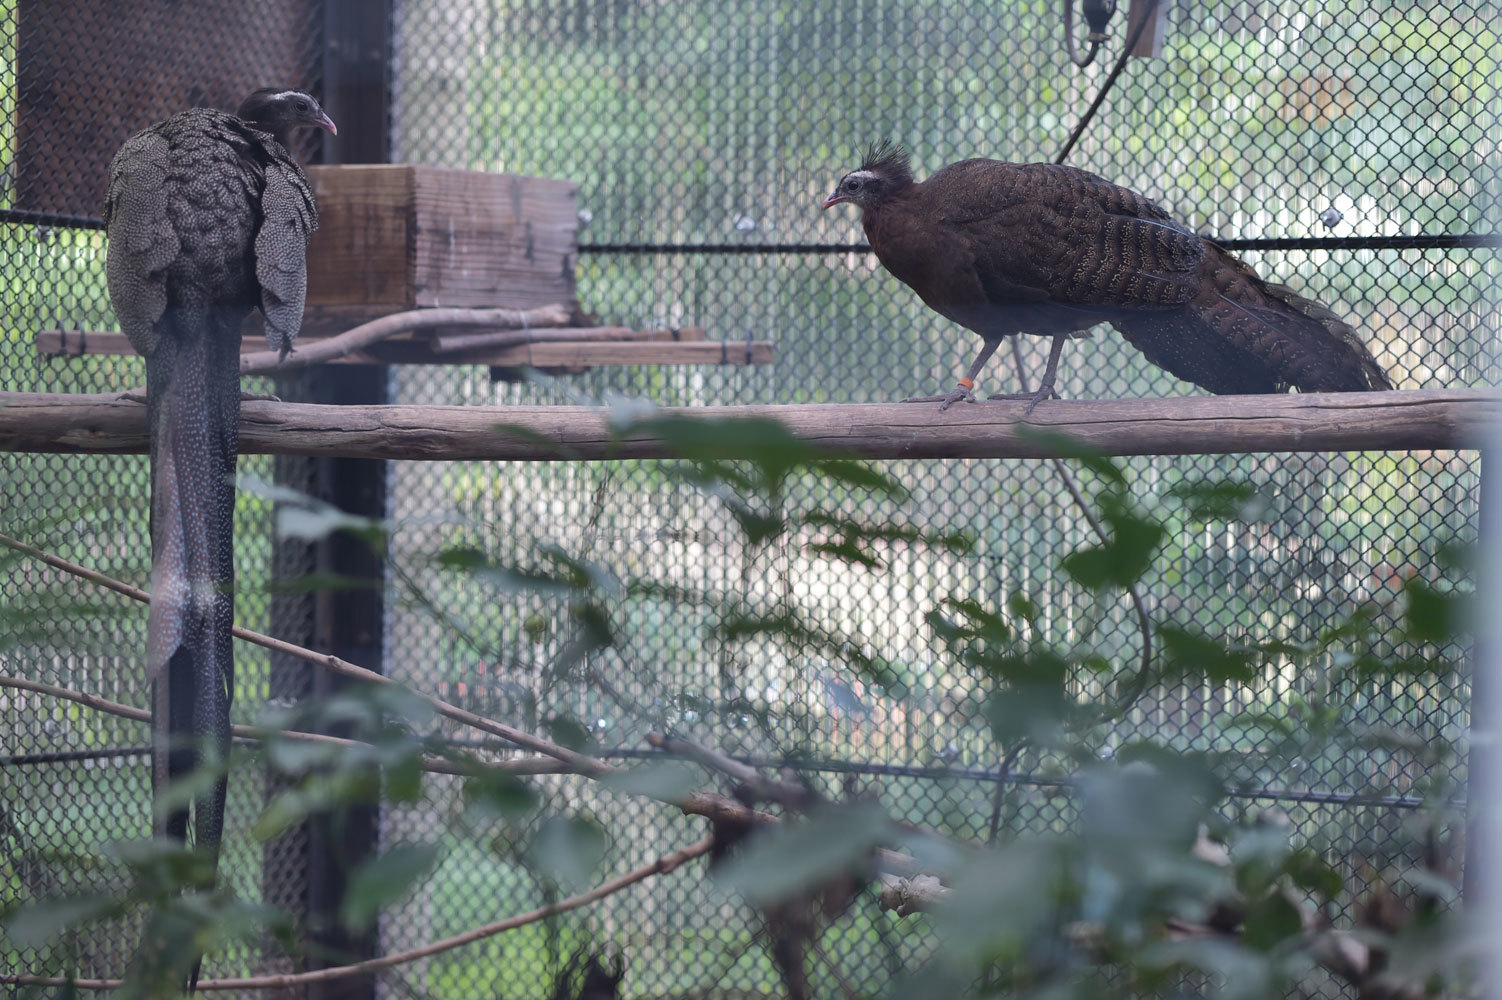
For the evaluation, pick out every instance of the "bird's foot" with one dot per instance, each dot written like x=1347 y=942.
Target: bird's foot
x=132 y=397
x=959 y=394
x=266 y=397
x=1033 y=398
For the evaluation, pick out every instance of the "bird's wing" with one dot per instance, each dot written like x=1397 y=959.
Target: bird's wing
x=288 y=218
x=1067 y=237
x=142 y=241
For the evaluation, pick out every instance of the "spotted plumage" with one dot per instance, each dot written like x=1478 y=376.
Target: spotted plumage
x=1006 y=248
x=208 y=218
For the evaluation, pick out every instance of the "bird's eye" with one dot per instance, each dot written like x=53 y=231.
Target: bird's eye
x=852 y=184
x=303 y=106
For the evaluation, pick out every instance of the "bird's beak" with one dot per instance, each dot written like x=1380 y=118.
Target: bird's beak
x=833 y=199
x=325 y=122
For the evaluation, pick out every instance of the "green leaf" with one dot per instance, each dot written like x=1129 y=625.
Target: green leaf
x=491 y=794
x=383 y=880
x=1123 y=559
x=1270 y=921
x=781 y=862
x=32 y=925
x=1064 y=446
x=1207 y=500
x=568 y=849
x=569 y=732
x=1193 y=655
x=1432 y=615
x=1310 y=873
x=658 y=779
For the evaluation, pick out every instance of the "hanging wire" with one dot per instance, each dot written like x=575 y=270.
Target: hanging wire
x=1121 y=61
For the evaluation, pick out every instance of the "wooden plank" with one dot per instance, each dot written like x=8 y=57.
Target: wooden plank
x=1433 y=419
x=492 y=239
x=648 y=347
x=1150 y=42
x=358 y=255
x=446 y=342
x=650 y=352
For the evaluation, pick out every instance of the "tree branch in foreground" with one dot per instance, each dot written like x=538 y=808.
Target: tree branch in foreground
x=661 y=866
x=710 y=805
x=468 y=764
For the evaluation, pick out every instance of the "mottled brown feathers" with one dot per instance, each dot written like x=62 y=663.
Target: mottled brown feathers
x=208 y=218
x=1039 y=248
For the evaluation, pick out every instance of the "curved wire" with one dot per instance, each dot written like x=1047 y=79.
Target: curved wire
x=1074 y=56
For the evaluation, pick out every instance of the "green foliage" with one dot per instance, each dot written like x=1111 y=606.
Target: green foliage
x=1132 y=858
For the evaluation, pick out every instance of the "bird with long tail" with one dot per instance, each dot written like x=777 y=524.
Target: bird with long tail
x=1007 y=248
x=208 y=216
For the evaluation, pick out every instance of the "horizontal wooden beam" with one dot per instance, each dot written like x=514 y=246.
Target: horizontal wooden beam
x=574 y=348
x=1441 y=419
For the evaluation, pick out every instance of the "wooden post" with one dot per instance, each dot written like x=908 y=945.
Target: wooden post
x=1150 y=42
x=346 y=622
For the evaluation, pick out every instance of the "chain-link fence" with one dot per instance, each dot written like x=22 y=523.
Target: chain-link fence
x=1347 y=149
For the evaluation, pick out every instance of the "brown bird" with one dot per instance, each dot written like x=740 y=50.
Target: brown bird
x=208 y=217
x=1008 y=248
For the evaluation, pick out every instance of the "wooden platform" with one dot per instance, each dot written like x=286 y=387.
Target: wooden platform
x=598 y=346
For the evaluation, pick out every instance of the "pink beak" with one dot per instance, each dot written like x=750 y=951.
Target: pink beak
x=328 y=123
x=833 y=199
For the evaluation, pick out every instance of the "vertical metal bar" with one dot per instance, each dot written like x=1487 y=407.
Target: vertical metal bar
x=1482 y=884
x=311 y=870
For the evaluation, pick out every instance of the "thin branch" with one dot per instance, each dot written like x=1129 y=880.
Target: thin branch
x=911 y=895
x=431 y=763
x=783 y=793
x=707 y=804
x=377 y=330
x=577 y=762
x=663 y=865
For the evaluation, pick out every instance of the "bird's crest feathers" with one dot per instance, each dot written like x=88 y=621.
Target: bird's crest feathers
x=889 y=160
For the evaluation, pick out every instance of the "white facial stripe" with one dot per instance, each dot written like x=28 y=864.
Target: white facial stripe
x=286 y=94
x=865 y=175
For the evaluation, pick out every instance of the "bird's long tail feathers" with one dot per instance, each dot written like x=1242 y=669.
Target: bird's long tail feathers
x=194 y=403
x=1244 y=335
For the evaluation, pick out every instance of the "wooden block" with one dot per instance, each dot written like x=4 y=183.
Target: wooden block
x=398 y=237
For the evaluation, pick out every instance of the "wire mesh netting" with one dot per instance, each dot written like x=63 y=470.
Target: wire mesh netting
x=1346 y=149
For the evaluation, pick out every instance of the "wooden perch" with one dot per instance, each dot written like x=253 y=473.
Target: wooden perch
x=1186 y=425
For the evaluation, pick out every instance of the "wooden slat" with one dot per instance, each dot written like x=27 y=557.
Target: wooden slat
x=1443 y=419
x=654 y=348
x=357 y=258
x=663 y=352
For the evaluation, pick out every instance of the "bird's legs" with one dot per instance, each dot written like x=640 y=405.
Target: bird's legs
x=962 y=390
x=1045 y=388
